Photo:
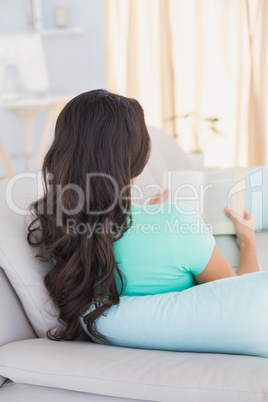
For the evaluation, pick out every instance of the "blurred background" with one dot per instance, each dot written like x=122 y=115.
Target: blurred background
x=198 y=67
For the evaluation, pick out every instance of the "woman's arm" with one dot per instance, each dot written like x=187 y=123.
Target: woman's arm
x=218 y=267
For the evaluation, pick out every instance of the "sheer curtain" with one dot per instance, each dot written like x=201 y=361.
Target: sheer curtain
x=189 y=60
x=257 y=15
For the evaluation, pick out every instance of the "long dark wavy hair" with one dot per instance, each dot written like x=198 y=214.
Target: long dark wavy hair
x=101 y=143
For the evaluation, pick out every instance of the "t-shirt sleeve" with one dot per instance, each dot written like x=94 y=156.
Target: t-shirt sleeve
x=193 y=244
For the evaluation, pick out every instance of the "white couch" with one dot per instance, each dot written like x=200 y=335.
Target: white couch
x=33 y=368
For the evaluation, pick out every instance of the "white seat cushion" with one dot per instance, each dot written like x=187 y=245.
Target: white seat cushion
x=135 y=373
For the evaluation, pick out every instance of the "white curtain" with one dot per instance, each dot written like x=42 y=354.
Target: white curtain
x=258 y=89
x=203 y=57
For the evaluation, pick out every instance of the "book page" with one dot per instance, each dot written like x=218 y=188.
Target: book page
x=184 y=186
x=224 y=188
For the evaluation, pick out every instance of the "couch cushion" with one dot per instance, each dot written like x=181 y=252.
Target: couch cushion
x=135 y=373
x=17 y=259
x=14 y=392
x=15 y=325
x=2 y=380
x=165 y=155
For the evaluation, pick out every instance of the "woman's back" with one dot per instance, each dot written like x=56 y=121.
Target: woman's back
x=164 y=247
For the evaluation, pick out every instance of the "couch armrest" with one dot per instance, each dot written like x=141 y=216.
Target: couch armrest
x=229 y=249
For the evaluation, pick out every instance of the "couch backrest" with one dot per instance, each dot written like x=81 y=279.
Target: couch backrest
x=17 y=258
x=165 y=155
x=15 y=325
x=14 y=322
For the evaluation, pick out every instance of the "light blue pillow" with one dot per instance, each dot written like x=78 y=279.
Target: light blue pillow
x=225 y=316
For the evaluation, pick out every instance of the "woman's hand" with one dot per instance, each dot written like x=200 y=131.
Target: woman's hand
x=159 y=198
x=244 y=227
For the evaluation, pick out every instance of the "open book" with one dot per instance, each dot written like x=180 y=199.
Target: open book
x=208 y=192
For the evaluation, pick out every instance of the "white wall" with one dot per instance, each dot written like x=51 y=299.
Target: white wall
x=75 y=63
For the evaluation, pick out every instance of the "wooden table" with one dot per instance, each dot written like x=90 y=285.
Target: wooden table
x=25 y=109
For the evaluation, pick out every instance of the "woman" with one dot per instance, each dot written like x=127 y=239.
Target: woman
x=101 y=245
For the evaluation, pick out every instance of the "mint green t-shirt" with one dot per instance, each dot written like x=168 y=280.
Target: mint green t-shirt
x=164 y=248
